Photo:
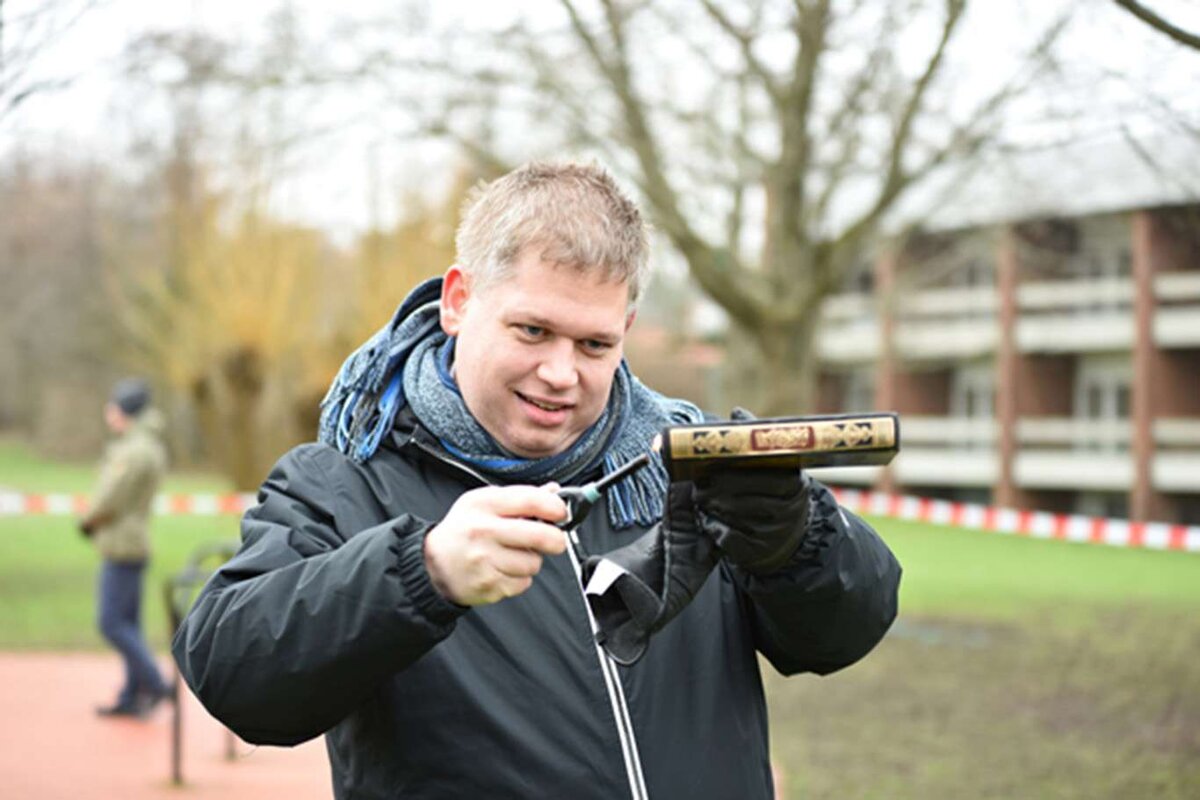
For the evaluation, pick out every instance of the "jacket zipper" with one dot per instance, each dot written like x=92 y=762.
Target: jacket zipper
x=608 y=667
x=616 y=696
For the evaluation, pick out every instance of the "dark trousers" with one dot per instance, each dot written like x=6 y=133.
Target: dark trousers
x=120 y=622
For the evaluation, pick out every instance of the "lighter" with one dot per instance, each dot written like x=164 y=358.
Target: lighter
x=580 y=499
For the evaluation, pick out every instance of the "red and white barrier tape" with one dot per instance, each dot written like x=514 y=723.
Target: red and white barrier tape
x=16 y=504
x=1035 y=524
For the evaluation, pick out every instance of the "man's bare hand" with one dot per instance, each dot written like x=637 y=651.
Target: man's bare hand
x=491 y=543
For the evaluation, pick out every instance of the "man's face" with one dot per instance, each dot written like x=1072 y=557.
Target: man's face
x=536 y=352
x=115 y=418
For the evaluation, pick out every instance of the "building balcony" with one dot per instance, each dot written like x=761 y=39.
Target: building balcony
x=1177 y=326
x=934 y=451
x=1174 y=287
x=1177 y=316
x=1062 y=453
x=1074 y=433
x=1075 y=316
x=1073 y=454
x=1073 y=471
x=1176 y=464
x=853 y=342
x=947 y=451
x=848 y=476
x=955 y=323
x=1076 y=333
x=950 y=302
x=849 y=330
x=946 y=338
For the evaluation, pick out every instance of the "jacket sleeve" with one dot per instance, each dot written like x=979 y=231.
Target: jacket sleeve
x=304 y=623
x=123 y=471
x=832 y=602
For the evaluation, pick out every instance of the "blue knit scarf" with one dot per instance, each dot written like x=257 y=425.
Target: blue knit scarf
x=408 y=362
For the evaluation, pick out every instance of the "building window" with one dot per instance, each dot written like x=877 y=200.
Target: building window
x=1123 y=403
x=1102 y=404
x=1102 y=504
x=860 y=278
x=1094 y=407
x=860 y=392
x=972 y=391
x=972 y=398
x=1124 y=262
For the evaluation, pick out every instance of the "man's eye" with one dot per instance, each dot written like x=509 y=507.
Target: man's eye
x=596 y=346
x=532 y=331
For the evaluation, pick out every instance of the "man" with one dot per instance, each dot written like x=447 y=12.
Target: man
x=402 y=587
x=118 y=524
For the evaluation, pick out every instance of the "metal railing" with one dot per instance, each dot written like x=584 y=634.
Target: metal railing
x=179 y=592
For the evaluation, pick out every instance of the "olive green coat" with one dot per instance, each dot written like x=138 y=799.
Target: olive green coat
x=130 y=474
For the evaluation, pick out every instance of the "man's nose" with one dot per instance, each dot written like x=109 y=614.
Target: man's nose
x=557 y=368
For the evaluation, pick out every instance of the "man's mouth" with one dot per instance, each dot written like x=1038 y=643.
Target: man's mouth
x=545 y=405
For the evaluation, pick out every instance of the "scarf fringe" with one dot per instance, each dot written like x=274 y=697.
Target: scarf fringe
x=362 y=402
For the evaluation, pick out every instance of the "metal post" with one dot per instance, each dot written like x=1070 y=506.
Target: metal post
x=177 y=731
x=174 y=617
x=178 y=591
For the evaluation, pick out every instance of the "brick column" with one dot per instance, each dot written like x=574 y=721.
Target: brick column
x=886 y=265
x=1155 y=381
x=1008 y=268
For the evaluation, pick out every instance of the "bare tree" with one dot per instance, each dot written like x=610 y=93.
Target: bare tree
x=245 y=317
x=1161 y=24
x=52 y=221
x=23 y=39
x=769 y=139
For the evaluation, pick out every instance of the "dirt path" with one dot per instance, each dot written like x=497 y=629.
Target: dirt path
x=52 y=744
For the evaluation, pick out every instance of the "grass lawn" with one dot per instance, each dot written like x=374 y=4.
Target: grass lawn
x=48 y=578
x=1018 y=669
x=22 y=470
x=48 y=571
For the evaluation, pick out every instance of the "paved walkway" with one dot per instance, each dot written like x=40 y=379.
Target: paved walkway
x=52 y=744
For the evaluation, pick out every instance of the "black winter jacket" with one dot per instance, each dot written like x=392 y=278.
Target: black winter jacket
x=326 y=622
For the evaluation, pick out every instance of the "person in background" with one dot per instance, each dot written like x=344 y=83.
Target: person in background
x=118 y=524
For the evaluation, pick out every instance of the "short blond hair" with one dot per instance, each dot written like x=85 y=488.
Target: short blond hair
x=576 y=214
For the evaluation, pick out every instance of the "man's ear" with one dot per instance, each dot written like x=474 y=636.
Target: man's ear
x=456 y=291
x=629 y=318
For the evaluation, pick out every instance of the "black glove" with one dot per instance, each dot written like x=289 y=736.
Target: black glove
x=665 y=568
x=757 y=516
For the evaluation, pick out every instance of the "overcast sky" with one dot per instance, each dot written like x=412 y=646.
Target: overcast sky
x=330 y=186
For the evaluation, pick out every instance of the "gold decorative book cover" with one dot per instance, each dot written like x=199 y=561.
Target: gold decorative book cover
x=841 y=440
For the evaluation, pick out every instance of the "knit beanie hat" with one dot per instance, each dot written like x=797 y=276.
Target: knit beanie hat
x=131 y=395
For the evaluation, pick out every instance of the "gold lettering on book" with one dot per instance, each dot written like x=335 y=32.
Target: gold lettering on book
x=710 y=441
x=799 y=437
x=855 y=434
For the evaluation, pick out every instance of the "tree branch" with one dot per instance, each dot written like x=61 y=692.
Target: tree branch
x=896 y=178
x=786 y=181
x=745 y=42
x=718 y=271
x=1186 y=38
x=903 y=133
x=844 y=127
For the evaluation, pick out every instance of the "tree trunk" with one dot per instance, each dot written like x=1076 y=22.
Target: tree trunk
x=207 y=405
x=787 y=368
x=243 y=373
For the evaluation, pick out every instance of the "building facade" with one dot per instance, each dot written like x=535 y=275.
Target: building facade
x=1049 y=363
